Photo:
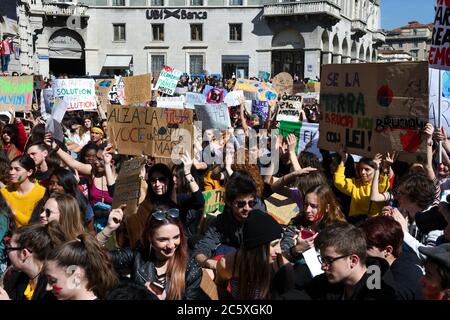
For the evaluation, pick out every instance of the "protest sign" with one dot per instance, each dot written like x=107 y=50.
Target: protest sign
x=213 y=116
x=264 y=91
x=309 y=138
x=289 y=108
x=263 y=76
x=193 y=99
x=170 y=102
x=283 y=83
x=206 y=89
x=440 y=40
x=261 y=108
x=283 y=209
x=288 y=127
x=16 y=93
x=168 y=80
x=47 y=99
x=233 y=98
x=117 y=93
x=157 y=132
x=443 y=94
x=138 y=88
x=102 y=89
x=38 y=82
x=181 y=90
x=214 y=202
x=128 y=185
x=373 y=108
x=78 y=93
x=214 y=95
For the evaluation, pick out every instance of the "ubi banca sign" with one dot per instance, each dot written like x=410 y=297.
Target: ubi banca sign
x=156 y=14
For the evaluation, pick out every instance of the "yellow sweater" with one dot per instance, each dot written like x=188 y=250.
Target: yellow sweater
x=360 y=193
x=23 y=205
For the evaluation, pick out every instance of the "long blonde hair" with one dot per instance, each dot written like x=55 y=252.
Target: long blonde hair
x=70 y=218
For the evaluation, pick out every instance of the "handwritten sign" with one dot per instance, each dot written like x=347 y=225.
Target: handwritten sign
x=78 y=93
x=214 y=116
x=283 y=83
x=440 y=41
x=309 y=138
x=128 y=185
x=138 y=88
x=170 y=102
x=157 y=132
x=16 y=93
x=264 y=91
x=289 y=108
x=374 y=108
x=102 y=89
x=194 y=98
x=168 y=79
x=261 y=108
x=233 y=98
x=214 y=202
x=443 y=94
x=117 y=93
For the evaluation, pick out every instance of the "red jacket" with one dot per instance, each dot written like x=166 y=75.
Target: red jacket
x=4 y=44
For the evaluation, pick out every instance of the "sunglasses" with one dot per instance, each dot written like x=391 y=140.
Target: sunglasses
x=9 y=248
x=160 y=179
x=161 y=215
x=241 y=203
x=48 y=212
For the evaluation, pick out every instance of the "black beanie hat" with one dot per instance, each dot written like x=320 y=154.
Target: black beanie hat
x=260 y=228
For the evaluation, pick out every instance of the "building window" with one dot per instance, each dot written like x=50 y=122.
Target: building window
x=157 y=3
x=416 y=44
x=158 y=32
x=196 y=2
x=236 y=32
x=236 y=2
x=414 y=54
x=119 y=32
x=196 y=64
x=400 y=45
x=196 y=32
x=118 y=3
x=158 y=62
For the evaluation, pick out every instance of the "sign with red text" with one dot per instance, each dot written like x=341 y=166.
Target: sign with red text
x=78 y=93
x=440 y=41
x=374 y=108
x=168 y=80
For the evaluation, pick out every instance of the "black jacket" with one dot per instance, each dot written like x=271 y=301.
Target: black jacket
x=143 y=270
x=17 y=282
x=225 y=229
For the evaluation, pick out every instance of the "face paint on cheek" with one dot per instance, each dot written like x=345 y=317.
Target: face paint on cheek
x=19 y=179
x=56 y=289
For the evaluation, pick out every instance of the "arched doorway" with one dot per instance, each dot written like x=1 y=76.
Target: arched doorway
x=66 y=53
x=288 y=53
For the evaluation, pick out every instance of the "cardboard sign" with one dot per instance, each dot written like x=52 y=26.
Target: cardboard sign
x=170 y=102
x=138 y=88
x=263 y=90
x=233 y=98
x=281 y=208
x=261 y=108
x=157 y=132
x=102 y=89
x=263 y=76
x=213 y=116
x=440 y=41
x=289 y=108
x=16 y=93
x=78 y=93
x=283 y=83
x=374 y=108
x=168 y=80
x=214 y=202
x=128 y=185
x=214 y=95
x=194 y=98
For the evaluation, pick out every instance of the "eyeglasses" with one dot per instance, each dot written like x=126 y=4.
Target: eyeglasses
x=161 y=215
x=160 y=179
x=8 y=248
x=329 y=260
x=241 y=203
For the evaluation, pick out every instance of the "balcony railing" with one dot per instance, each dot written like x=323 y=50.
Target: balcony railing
x=303 y=8
x=358 y=26
x=379 y=36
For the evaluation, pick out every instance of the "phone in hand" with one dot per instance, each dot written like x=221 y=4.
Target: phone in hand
x=306 y=233
x=157 y=287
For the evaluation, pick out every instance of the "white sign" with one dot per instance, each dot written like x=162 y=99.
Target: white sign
x=233 y=98
x=194 y=99
x=440 y=41
x=78 y=93
x=170 y=102
x=289 y=108
x=309 y=137
x=168 y=80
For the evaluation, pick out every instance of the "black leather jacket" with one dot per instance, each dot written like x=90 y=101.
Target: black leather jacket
x=142 y=270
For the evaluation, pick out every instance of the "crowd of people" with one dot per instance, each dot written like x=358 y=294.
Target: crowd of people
x=60 y=237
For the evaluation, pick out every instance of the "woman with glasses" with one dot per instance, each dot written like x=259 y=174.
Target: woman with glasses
x=80 y=270
x=161 y=261
x=14 y=139
x=64 y=209
x=7 y=226
x=320 y=209
x=22 y=194
x=27 y=250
